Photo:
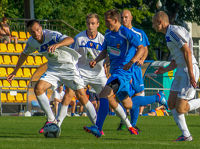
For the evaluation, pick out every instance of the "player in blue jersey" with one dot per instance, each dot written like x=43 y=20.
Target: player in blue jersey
x=124 y=49
x=137 y=81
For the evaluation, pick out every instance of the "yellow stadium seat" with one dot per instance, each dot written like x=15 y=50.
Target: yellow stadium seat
x=18 y=48
x=28 y=35
x=14 y=84
x=23 y=46
x=19 y=73
x=3 y=72
x=3 y=97
x=6 y=84
x=44 y=59
x=10 y=98
x=19 y=97
x=30 y=60
x=14 y=33
x=33 y=70
x=26 y=73
x=3 y=47
x=9 y=70
x=1 y=84
x=1 y=59
x=11 y=48
x=25 y=97
x=38 y=60
x=22 y=36
x=6 y=60
x=14 y=59
x=22 y=84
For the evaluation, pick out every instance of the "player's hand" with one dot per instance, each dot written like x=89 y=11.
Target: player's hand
x=140 y=62
x=10 y=77
x=193 y=82
x=92 y=63
x=53 y=47
x=160 y=70
x=128 y=65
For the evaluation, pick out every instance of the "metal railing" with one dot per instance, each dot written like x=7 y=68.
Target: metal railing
x=57 y=25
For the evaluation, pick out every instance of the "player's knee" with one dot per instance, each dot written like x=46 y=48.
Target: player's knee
x=181 y=110
x=39 y=90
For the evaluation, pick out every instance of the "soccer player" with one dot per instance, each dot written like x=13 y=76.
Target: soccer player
x=61 y=66
x=185 y=80
x=159 y=111
x=88 y=44
x=121 y=45
x=137 y=80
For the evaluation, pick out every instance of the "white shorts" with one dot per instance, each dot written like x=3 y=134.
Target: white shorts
x=182 y=84
x=97 y=83
x=70 y=77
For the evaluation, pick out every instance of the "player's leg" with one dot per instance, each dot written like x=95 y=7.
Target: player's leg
x=40 y=91
x=82 y=97
x=69 y=94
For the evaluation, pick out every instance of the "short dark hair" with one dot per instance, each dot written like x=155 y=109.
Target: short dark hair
x=113 y=14
x=31 y=23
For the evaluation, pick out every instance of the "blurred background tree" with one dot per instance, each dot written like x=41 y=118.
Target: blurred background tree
x=75 y=11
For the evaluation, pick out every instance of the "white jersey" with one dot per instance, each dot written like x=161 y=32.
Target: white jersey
x=60 y=56
x=89 y=49
x=176 y=37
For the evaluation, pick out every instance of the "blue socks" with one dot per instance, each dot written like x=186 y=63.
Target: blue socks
x=102 y=112
x=140 y=101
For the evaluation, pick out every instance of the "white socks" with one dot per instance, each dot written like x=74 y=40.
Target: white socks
x=194 y=104
x=62 y=114
x=44 y=104
x=180 y=121
x=120 y=112
x=91 y=112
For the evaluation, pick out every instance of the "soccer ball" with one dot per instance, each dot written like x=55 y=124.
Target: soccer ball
x=51 y=130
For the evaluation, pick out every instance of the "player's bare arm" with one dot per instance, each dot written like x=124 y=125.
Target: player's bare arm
x=138 y=55
x=162 y=70
x=66 y=42
x=100 y=57
x=141 y=61
x=21 y=60
x=188 y=59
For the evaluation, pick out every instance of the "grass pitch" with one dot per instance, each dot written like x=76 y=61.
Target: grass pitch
x=156 y=133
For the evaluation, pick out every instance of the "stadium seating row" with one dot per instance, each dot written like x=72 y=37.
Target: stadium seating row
x=22 y=72
x=15 y=84
x=31 y=60
x=19 y=98
x=21 y=35
x=11 y=48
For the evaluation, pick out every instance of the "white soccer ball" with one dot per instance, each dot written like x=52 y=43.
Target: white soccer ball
x=51 y=130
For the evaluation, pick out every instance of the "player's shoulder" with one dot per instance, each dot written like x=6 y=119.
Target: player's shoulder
x=176 y=29
x=81 y=35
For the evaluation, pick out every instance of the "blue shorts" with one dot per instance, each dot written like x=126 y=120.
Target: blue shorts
x=125 y=88
x=137 y=81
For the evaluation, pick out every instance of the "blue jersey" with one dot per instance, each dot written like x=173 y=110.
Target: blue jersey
x=141 y=34
x=121 y=47
x=137 y=79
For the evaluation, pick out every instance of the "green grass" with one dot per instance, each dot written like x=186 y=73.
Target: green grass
x=157 y=133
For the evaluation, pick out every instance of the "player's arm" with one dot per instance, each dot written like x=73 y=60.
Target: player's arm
x=141 y=61
x=57 y=100
x=162 y=70
x=65 y=42
x=100 y=57
x=188 y=59
x=137 y=57
x=21 y=60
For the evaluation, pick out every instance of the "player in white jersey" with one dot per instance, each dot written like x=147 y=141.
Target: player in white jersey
x=183 y=87
x=61 y=66
x=88 y=44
